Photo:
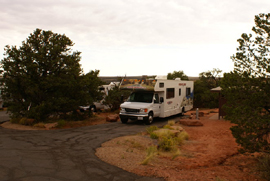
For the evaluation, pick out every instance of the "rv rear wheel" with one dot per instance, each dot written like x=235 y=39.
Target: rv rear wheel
x=183 y=111
x=150 y=119
x=124 y=120
x=93 y=108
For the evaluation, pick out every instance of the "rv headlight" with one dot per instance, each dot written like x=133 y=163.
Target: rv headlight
x=122 y=109
x=143 y=110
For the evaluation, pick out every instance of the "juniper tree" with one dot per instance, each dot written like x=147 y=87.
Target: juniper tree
x=247 y=88
x=43 y=77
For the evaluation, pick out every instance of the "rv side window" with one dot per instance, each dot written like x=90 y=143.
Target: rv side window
x=180 y=92
x=188 y=91
x=161 y=84
x=170 y=93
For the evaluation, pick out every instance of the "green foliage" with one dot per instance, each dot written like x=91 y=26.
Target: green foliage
x=264 y=166
x=153 y=135
x=39 y=125
x=177 y=74
x=171 y=123
x=151 y=129
x=176 y=154
x=167 y=143
x=246 y=89
x=15 y=120
x=181 y=137
x=167 y=126
x=167 y=140
x=43 y=77
x=164 y=133
x=23 y=121
x=115 y=97
x=203 y=97
x=151 y=152
x=61 y=123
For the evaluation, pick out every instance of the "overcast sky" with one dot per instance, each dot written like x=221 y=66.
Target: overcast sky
x=138 y=37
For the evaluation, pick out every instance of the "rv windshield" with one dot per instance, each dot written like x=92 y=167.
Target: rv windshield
x=146 y=97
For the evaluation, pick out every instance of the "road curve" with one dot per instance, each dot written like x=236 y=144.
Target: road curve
x=66 y=155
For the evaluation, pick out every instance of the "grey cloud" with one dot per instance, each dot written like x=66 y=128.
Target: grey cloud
x=127 y=21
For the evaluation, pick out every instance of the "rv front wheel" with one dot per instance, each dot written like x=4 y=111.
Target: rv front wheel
x=149 y=119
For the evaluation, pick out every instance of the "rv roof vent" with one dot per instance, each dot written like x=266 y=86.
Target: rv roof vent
x=164 y=77
x=178 y=78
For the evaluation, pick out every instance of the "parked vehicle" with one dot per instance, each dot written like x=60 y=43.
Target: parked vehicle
x=157 y=97
x=99 y=105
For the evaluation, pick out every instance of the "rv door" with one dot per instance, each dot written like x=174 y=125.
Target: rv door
x=156 y=105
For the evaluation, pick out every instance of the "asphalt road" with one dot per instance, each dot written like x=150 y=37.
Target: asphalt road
x=66 y=155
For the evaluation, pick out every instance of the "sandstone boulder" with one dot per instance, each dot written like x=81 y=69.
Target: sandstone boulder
x=190 y=122
x=112 y=118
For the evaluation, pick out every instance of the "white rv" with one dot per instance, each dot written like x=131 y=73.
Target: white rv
x=156 y=98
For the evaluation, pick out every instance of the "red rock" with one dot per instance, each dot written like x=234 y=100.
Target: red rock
x=112 y=118
x=190 y=122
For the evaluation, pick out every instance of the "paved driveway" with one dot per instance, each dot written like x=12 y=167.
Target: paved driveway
x=67 y=154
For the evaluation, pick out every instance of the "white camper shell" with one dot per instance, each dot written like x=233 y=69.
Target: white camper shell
x=158 y=97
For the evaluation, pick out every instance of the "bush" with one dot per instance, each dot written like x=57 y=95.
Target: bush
x=39 y=125
x=264 y=166
x=15 y=120
x=167 y=140
x=167 y=126
x=61 y=123
x=171 y=123
x=167 y=143
x=181 y=137
x=113 y=100
x=43 y=77
x=153 y=136
x=151 y=152
x=23 y=121
x=151 y=129
x=176 y=154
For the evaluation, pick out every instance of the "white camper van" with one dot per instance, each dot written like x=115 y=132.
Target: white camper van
x=158 y=97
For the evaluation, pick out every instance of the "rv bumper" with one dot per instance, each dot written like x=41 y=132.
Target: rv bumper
x=133 y=116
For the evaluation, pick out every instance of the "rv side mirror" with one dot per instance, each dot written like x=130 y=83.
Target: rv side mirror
x=161 y=100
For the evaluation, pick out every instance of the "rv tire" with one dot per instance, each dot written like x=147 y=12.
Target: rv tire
x=93 y=108
x=183 y=111
x=150 y=119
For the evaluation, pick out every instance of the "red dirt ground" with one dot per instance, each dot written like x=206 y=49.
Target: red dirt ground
x=211 y=153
